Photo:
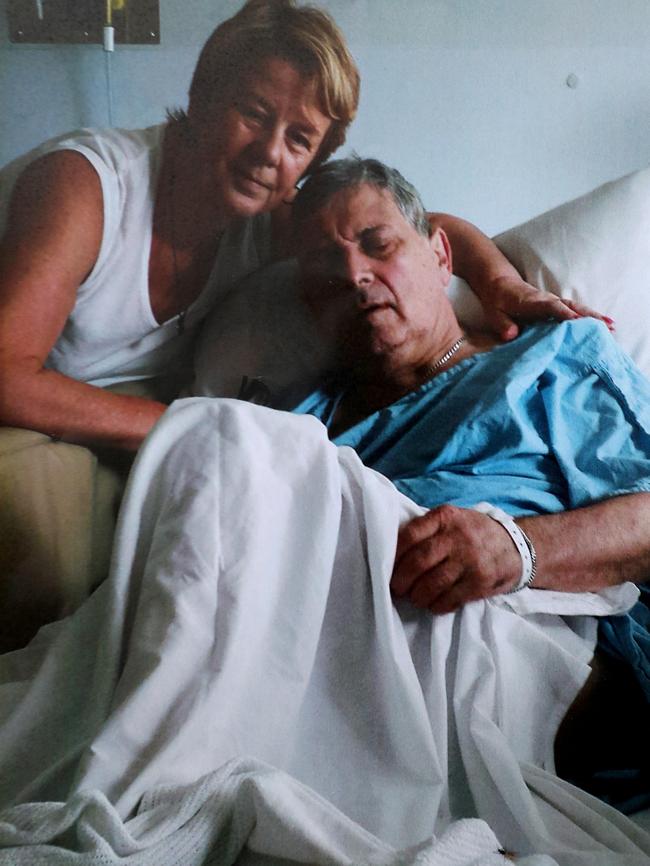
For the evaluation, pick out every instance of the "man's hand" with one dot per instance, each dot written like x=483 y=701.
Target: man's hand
x=450 y=556
x=514 y=300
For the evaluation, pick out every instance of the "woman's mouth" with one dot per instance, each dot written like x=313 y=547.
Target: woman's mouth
x=250 y=183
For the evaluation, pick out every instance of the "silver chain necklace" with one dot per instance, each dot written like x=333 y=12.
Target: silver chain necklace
x=430 y=369
x=353 y=395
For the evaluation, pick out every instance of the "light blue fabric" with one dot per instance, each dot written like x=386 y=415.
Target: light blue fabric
x=556 y=419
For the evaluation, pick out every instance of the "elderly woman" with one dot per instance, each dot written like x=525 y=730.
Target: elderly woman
x=116 y=245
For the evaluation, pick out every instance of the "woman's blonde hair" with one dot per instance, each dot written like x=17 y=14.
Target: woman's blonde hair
x=304 y=36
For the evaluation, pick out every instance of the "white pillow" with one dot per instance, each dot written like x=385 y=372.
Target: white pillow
x=595 y=249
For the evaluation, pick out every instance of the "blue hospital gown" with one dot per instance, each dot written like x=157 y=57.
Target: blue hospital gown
x=557 y=419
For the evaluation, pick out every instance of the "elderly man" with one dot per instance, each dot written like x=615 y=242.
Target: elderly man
x=555 y=424
x=556 y=420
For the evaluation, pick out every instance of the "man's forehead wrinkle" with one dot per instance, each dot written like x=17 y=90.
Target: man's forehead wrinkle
x=352 y=226
x=352 y=215
x=353 y=233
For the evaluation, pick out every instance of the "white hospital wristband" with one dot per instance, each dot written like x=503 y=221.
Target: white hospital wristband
x=521 y=541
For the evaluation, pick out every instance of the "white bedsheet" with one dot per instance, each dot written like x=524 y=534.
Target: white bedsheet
x=248 y=625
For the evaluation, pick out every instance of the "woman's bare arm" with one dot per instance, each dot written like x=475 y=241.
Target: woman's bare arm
x=50 y=245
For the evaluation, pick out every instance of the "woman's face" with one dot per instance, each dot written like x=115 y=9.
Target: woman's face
x=256 y=148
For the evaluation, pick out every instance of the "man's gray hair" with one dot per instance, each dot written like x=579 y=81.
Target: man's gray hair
x=332 y=177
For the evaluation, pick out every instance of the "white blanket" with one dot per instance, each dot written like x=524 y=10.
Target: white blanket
x=248 y=625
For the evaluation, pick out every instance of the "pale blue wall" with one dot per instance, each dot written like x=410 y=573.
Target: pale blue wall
x=467 y=97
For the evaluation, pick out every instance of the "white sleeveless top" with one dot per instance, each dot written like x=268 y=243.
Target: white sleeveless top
x=111 y=335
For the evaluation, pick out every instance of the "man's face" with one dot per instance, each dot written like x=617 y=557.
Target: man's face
x=371 y=280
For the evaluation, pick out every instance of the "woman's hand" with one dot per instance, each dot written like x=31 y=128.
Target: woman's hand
x=450 y=556
x=516 y=301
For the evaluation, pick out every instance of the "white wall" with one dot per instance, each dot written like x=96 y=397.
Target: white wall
x=467 y=97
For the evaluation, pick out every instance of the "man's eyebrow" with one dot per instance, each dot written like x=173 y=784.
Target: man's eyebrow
x=327 y=241
x=368 y=230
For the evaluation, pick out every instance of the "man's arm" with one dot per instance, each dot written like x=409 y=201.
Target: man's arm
x=451 y=555
x=506 y=297
x=593 y=547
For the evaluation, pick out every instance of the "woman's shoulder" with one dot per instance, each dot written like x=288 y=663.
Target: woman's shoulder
x=109 y=152
x=112 y=150
x=110 y=145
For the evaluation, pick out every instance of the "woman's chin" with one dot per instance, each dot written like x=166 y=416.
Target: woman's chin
x=241 y=205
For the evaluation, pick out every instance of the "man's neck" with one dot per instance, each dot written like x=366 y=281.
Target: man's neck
x=403 y=370
x=374 y=385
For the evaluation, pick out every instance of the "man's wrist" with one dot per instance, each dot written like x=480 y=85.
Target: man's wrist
x=522 y=542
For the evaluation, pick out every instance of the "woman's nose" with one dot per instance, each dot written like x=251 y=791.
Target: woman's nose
x=269 y=145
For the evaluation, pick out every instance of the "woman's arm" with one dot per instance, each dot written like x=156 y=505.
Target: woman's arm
x=50 y=246
x=505 y=296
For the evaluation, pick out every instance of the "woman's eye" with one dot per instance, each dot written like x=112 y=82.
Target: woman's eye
x=300 y=140
x=252 y=113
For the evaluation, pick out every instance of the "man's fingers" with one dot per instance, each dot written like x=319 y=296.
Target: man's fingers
x=453 y=599
x=417 y=561
x=415 y=531
x=450 y=556
x=421 y=551
x=434 y=584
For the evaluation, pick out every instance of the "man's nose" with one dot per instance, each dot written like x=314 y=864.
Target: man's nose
x=357 y=269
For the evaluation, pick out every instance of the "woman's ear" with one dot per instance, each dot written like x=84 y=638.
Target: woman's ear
x=441 y=248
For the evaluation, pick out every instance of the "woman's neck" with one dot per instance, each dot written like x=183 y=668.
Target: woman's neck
x=191 y=210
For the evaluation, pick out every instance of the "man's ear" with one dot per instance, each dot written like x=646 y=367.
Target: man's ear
x=441 y=249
